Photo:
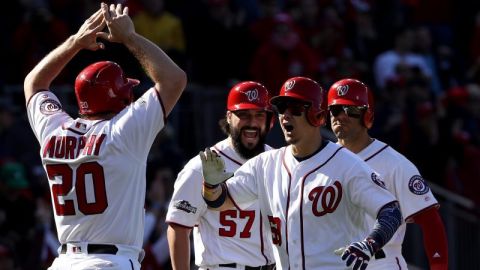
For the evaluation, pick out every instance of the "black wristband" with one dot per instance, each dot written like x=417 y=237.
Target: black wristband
x=218 y=201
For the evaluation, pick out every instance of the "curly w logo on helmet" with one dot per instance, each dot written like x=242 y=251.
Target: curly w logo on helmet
x=289 y=85
x=342 y=90
x=252 y=95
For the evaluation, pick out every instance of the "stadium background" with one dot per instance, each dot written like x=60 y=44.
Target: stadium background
x=429 y=111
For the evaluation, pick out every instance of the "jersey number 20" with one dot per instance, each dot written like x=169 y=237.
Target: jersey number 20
x=66 y=174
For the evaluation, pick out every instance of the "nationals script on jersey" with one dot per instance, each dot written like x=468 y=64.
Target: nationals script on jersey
x=404 y=181
x=315 y=206
x=230 y=236
x=96 y=168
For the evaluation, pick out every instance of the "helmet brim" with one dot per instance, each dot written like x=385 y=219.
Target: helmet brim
x=278 y=99
x=343 y=101
x=247 y=106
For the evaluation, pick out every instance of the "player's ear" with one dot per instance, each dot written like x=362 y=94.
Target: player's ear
x=228 y=117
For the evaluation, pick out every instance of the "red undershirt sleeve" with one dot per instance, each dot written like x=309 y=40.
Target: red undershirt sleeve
x=434 y=237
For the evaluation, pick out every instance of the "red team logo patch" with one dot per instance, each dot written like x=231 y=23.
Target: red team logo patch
x=325 y=199
x=50 y=106
x=342 y=90
x=417 y=185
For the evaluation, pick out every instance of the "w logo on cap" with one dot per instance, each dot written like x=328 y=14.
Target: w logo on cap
x=252 y=95
x=289 y=85
x=342 y=90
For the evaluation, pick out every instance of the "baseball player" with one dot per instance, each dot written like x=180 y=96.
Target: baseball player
x=350 y=103
x=233 y=238
x=314 y=192
x=96 y=163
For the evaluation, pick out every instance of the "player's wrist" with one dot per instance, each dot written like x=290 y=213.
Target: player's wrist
x=215 y=197
x=210 y=186
x=373 y=245
x=211 y=193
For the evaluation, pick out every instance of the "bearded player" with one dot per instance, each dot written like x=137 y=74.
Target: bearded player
x=234 y=238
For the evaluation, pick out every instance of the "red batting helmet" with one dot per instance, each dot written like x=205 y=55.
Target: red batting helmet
x=103 y=88
x=306 y=90
x=353 y=93
x=248 y=95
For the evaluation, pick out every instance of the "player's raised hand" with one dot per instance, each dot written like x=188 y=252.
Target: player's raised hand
x=358 y=254
x=213 y=168
x=120 y=25
x=86 y=37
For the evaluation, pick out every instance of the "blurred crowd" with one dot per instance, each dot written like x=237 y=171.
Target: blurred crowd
x=421 y=59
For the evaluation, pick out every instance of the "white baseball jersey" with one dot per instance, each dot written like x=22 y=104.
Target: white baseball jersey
x=315 y=206
x=404 y=181
x=220 y=237
x=97 y=168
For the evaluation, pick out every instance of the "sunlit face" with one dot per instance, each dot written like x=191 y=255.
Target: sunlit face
x=293 y=120
x=346 y=121
x=248 y=131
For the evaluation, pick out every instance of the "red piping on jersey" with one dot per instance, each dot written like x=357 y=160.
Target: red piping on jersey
x=398 y=263
x=163 y=108
x=238 y=163
x=376 y=153
x=233 y=201
x=233 y=160
x=288 y=198
x=262 y=247
x=301 y=199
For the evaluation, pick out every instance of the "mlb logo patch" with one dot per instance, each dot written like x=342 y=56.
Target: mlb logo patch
x=376 y=179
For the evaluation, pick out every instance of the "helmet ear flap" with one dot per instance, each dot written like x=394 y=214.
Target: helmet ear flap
x=368 y=118
x=316 y=118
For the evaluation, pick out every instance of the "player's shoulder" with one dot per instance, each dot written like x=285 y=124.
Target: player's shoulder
x=272 y=152
x=268 y=147
x=341 y=152
x=387 y=154
x=194 y=164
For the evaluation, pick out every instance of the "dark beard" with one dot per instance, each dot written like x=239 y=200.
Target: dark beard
x=244 y=151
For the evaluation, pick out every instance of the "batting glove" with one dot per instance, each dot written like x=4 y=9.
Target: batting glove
x=213 y=168
x=359 y=253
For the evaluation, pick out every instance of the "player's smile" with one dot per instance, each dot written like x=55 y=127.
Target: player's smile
x=250 y=135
